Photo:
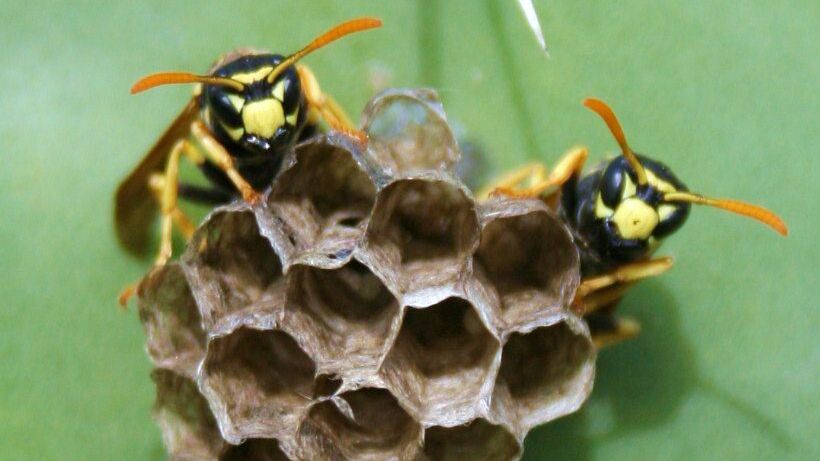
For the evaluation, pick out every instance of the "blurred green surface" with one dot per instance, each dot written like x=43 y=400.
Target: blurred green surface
x=724 y=92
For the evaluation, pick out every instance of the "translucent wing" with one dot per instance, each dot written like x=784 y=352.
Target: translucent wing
x=134 y=206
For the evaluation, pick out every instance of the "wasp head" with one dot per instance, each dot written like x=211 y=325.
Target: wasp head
x=633 y=217
x=256 y=100
x=639 y=201
x=262 y=115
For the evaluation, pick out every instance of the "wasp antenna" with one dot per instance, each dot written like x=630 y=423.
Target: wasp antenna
x=337 y=32
x=170 y=78
x=604 y=111
x=735 y=206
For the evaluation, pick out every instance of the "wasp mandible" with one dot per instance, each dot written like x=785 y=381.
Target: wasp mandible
x=249 y=109
x=619 y=212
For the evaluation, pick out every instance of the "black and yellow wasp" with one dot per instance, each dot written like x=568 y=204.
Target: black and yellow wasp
x=618 y=212
x=245 y=114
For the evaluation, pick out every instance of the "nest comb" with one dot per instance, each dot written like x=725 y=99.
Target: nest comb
x=368 y=309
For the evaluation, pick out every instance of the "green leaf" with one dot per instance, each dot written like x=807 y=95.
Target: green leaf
x=724 y=93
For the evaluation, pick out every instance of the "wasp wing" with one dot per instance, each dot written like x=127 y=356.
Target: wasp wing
x=134 y=205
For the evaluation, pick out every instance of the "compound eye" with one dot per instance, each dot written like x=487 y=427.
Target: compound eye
x=292 y=91
x=226 y=104
x=612 y=183
x=672 y=216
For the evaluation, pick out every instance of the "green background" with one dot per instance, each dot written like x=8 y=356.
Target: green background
x=727 y=94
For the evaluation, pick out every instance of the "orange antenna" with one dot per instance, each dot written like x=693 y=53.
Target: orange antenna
x=735 y=206
x=339 y=31
x=170 y=78
x=603 y=110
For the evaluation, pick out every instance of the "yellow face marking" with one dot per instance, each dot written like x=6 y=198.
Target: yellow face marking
x=629 y=188
x=263 y=118
x=601 y=210
x=665 y=210
x=659 y=183
x=635 y=219
x=249 y=77
x=237 y=102
x=291 y=118
x=234 y=133
x=279 y=90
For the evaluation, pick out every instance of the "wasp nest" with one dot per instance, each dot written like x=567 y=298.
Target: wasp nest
x=368 y=309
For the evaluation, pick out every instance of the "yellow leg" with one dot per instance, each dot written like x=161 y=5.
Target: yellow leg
x=167 y=196
x=181 y=220
x=223 y=160
x=168 y=203
x=623 y=329
x=327 y=107
x=538 y=182
x=627 y=273
x=528 y=173
x=601 y=291
x=600 y=298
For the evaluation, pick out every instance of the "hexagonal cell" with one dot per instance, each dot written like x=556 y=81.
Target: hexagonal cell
x=255 y=450
x=527 y=254
x=365 y=424
x=233 y=269
x=546 y=373
x=478 y=440
x=442 y=362
x=423 y=231
x=173 y=326
x=188 y=428
x=408 y=131
x=344 y=315
x=258 y=382
x=323 y=194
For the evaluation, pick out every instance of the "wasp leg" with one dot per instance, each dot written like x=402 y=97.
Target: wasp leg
x=592 y=302
x=157 y=184
x=529 y=173
x=623 y=274
x=212 y=196
x=539 y=183
x=217 y=154
x=165 y=188
x=608 y=330
x=327 y=107
x=596 y=295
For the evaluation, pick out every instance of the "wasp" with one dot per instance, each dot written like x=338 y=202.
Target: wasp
x=245 y=114
x=618 y=213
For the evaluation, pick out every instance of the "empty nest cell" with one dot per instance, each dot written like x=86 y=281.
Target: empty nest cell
x=258 y=382
x=255 y=450
x=325 y=193
x=531 y=262
x=233 y=267
x=411 y=131
x=545 y=373
x=173 y=325
x=345 y=314
x=424 y=229
x=478 y=440
x=189 y=430
x=365 y=424
x=441 y=361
